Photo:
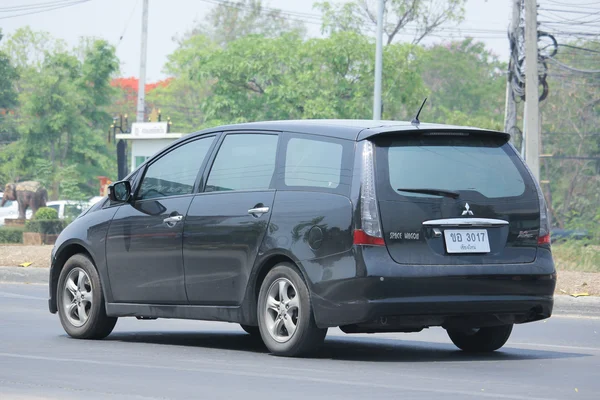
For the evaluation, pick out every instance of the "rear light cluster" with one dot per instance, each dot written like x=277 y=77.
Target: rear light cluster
x=370 y=234
x=544 y=233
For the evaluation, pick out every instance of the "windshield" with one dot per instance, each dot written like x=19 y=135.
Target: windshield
x=451 y=164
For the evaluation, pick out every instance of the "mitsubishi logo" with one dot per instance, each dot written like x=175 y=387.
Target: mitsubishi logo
x=467 y=210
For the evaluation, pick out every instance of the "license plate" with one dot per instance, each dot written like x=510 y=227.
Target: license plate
x=467 y=241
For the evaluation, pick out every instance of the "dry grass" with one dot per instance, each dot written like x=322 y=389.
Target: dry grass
x=573 y=256
x=11 y=255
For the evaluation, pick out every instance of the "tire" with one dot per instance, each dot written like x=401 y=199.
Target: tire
x=77 y=279
x=251 y=330
x=285 y=283
x=484 y=340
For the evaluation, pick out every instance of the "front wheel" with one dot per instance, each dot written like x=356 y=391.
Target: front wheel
x=81 y=302
x=285 y=316
x=481 y=340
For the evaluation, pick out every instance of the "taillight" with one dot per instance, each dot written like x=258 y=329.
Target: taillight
x=362 y=239
x=544 y=233
x=370 y=234
x=544 y=240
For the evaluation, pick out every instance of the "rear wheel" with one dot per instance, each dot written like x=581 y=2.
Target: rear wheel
x=81 y=301
x=481 y=340
x=285 y=317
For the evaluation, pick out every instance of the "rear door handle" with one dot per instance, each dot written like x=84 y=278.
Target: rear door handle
x=173 y=220
x=258 y=211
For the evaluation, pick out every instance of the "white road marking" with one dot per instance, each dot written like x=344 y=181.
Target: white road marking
x=269 y=375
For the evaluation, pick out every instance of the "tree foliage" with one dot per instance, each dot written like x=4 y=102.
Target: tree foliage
x=570 y=117
x=8 y=77
x=414 y=18
x=466 y=82
x=232 y=20
x=62 y=118
x=256 y=78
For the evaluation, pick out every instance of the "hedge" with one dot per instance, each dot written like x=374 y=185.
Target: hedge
x=11 y=235
x=47 y=226
x=46 y=213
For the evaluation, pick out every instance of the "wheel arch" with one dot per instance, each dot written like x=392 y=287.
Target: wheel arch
x=262 y=269
x=62 y=255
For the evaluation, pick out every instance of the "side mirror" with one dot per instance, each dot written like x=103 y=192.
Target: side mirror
x=120 y=191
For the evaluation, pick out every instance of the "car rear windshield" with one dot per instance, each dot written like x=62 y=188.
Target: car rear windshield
x=453 y=163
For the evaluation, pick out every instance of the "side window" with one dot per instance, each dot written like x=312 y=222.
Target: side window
x=313 y=162
x=244 y=162
x=175 y=172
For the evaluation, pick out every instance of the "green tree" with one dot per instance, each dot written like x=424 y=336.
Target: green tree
x=570 y=117
x=415 y=18
x=259 y=78
x=232 y=20
x=8 y=101
x=62 y=117
x=466 y=84
x=8 y=77
x=182 y=98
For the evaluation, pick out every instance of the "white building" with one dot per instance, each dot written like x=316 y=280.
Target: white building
x=146 y=139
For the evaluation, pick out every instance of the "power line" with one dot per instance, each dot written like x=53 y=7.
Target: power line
x=578 y=48
x=565 y=66
x=127 y=23
x=580 y=5
x=47 y=9
x=33 y=6
x=566 y=11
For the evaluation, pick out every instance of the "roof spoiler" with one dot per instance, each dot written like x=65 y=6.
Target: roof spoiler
x=425 y=131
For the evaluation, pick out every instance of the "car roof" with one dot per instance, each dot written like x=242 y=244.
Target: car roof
x=351 y=129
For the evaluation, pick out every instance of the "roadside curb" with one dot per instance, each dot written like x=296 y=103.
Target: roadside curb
x=563 y=305
x=576 y=306
x=35 y=275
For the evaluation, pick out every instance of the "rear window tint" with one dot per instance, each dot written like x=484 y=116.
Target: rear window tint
x=313 y=163
x=481 y=164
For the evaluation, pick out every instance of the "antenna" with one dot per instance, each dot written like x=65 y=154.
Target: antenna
x=415 y=121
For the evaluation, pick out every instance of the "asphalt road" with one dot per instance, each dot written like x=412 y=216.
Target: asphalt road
x=162 y=359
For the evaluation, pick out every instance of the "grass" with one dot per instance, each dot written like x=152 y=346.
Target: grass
x=575 y=256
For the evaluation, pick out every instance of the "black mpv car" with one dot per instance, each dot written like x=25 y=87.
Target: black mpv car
x=291 y=227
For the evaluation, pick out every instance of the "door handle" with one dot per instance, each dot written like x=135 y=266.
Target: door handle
x=172 y=220
x=258 y=211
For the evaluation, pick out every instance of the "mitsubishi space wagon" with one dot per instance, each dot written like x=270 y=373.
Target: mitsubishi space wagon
x=289 y=228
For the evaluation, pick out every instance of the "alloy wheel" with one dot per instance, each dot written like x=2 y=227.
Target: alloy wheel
x=77 y=297
x=282 y=310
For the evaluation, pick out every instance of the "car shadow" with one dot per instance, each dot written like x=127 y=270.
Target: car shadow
x=344 y=348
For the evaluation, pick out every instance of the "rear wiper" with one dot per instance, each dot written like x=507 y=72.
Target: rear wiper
x=437 y=192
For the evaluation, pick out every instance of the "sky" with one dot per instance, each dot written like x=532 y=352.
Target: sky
x=486 y=20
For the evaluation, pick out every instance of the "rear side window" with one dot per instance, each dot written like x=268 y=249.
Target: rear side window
x=244 y=162
x=470 y=163
x=313 y=163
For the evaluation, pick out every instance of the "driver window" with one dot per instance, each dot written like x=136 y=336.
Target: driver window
x=174 y=173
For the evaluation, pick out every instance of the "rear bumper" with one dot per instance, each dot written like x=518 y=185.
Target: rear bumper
x=393 y=297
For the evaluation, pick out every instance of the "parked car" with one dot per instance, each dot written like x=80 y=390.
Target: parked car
x=290 y=228
x=69 y=209
x=11 y=210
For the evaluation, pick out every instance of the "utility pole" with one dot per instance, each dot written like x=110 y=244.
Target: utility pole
x=532 y=115
x=141 y=101
x=378 y=62
x=510 y=109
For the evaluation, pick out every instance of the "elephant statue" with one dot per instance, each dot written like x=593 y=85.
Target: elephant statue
x=27 y=194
